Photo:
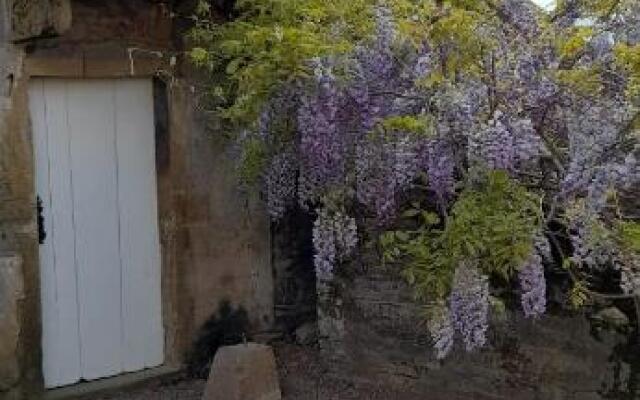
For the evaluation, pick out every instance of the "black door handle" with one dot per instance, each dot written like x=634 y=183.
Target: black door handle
x=42 y=234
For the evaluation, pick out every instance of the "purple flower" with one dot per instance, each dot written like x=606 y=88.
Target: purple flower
x=533 y=287
x=442 y=333
x=375 y=182
x=322 y=147
x=335 y=237
x=280 y=182
x=324 y=246
x=384 y=168
x=522 y=15
x=440 y=169
x=505 y=143
x=469 y=306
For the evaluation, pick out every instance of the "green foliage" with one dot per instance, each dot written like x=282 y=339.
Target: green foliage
x=596 y=9
x=414 y=18
x=628 y=57
x=574 y=43
x=459 y=29
x=498 y=307
x=579 y=295
x=585 y=81
x=417 y=124
x=254 y=158
x=420 y=252
x=493 y=222
x=620 y=234
x=628 y=233
x=270 y=42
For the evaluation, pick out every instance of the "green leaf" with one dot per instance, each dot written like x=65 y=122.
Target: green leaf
x=430 y=218
x=233 y=66
x=493 y=222
x=402 y=236
x=410 y=213
x=198 y=55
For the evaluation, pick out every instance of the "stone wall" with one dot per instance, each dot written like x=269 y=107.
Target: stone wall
x=35 y=18
x=18 y=247
x=11 y=293
x=372 y=329
x=215 y=241
x=224 y=239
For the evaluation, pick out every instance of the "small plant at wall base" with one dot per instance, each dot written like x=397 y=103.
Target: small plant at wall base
x=227 y=327
x=484 y=142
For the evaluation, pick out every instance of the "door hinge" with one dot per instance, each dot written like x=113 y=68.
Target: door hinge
x=42 y=234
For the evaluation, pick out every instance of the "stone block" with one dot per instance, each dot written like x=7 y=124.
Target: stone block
x=68 y=66
x=34 y=18
x=243 y=372
x=11 y=292
x=5 y=21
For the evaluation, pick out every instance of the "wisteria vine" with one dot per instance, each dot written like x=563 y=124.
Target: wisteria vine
x=410 y=124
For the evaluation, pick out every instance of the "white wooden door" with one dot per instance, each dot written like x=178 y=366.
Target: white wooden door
x=100 y=261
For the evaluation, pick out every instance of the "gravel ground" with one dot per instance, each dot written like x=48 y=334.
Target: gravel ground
x=301 y=378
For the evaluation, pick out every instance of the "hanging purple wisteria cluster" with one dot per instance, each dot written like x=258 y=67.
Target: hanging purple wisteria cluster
x=469 y=306
x=280 y=183
x=335 y=237
x=533 y=286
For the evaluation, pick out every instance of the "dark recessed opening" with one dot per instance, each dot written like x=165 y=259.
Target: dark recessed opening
x=294 y=273
x=161 y=116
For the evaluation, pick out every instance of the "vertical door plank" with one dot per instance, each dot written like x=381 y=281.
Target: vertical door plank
x=63 y=238
x=50 y=334
x=61 y=346
x=139 y=240
x=93 y=155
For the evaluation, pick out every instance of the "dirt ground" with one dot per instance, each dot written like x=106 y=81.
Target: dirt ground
x=301 y=378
